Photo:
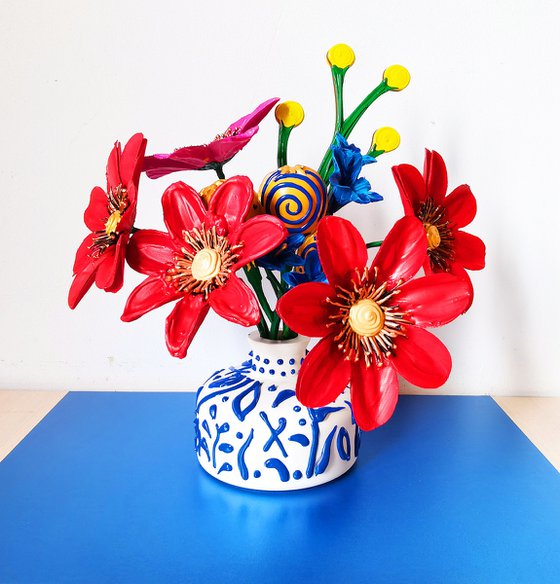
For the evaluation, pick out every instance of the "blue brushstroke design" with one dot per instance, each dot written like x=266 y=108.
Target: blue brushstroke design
x=219 y=431
x=325 y=454
x=317 y=416
x=213 y=411
x=283 y=396
x=206 y=428
x=300 y=439
x=240 y=412
x=241 y=457
x=200 y=442
x=220 y=392
x=272 y=388
x=357 y=441
x=225 y=447
x=343 y=444
x=274 y=434
x=280 y=467
x=226 y=466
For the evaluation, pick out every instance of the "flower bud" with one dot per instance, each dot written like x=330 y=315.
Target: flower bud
x=397 y=77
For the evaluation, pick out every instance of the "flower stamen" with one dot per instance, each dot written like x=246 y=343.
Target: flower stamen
x=439 y=234
x=117 y=204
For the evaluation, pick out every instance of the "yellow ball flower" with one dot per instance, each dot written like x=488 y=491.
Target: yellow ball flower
x=341 y=56
x=386 y=139
x=289 y=113
x=397 y=77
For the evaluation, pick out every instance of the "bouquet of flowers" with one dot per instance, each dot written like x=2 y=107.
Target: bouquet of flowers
x=371 y=317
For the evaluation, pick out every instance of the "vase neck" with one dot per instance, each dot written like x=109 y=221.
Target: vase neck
x=277 y=360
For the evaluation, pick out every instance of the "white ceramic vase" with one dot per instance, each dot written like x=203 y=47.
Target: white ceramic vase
x=252 y=432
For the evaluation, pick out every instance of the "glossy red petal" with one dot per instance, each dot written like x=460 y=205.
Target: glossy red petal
x=459 y=272
x=108 y=274
x=183 y=210
x=305 y=309
x=341 y=248
x=421 y=358
x=411 y=185
x=132 y=159
x=83 y=254
x=403 y=251
x=190 y=158
x=434 y=300
x=97 y=212
x=460 y=206
x=323 y=376
x=259 y=235
x=225 y=149
x=435 y=176
x=374 y=392
x=232 y=200
x=183 y=323
x=235 y=302
x=151 y=293
x=470 y=251
x=113 y=167
x=150 y=252
x=82 y=282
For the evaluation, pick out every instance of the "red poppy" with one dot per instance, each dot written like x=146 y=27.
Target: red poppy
x=223 y=148
x=372 y=320
x=195 y=263
x=110 y=216
x=424 y=197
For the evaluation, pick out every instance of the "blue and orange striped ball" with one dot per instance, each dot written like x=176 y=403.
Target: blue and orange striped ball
x=296 y=195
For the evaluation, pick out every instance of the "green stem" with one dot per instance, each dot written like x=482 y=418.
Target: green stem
x=374 y=244
x=283 y=136
x=375 y=153
x=255 y=279
x=219 y=170
x=276 y=285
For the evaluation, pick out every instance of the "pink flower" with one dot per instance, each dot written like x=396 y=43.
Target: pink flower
x=222 y=149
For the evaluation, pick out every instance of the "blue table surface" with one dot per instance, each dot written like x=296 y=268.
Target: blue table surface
x=107 y=489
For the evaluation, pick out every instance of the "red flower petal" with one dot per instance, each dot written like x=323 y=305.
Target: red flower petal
x=190 y=158
x=459 y=272
x=323 y=376
x=460 y=206
x=434 y=300
x=470 y=250
x=305 y=310
x=403 y=251
x=183 y=323
x=259 y=235
x=412 y=187
x=132 y=158
x=97 y=211
x=183 y=210
x=374 y=392
x=82 y=282
x=150 y=252
x=421 y=358
x=341 y=248
x=83 y=254
x=435 y=175
x=110 y=270
x=235 y=302
x=151 y=293
x=113 y=167
x=232 y=200
x=224 y=149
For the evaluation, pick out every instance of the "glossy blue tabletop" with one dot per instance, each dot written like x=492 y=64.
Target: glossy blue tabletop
x=107 y=489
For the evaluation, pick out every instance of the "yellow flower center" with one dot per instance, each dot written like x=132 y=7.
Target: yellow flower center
x=366 y=318
x=112 y=222
x=432 y=233
x=206 y=265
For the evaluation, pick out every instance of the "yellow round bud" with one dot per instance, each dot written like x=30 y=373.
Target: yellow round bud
x=208 y=192
x=397 y=77
x=386 y=139
x=341 y=56
x=432 y=233
x=289 y=113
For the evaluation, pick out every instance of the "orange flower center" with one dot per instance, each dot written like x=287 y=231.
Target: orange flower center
x=366 y=318
x=439 y=234
x=117 y=204
x=204 y=264
x=432 y=233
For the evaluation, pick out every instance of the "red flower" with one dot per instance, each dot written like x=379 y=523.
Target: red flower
x=449 y=249
x=223 y=148
x=195 y=263
x=372 y=320
x=110 y=216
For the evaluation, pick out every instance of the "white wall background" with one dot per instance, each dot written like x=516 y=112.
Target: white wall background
x=77 y=75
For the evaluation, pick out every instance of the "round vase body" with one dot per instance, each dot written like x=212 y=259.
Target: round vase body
x=252 y=432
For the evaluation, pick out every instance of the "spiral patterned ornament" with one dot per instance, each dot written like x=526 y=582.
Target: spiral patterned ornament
x=297 y=196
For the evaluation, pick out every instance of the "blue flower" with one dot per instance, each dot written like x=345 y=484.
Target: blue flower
x=312 y=271
x=346 y=183
x=284 y=257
